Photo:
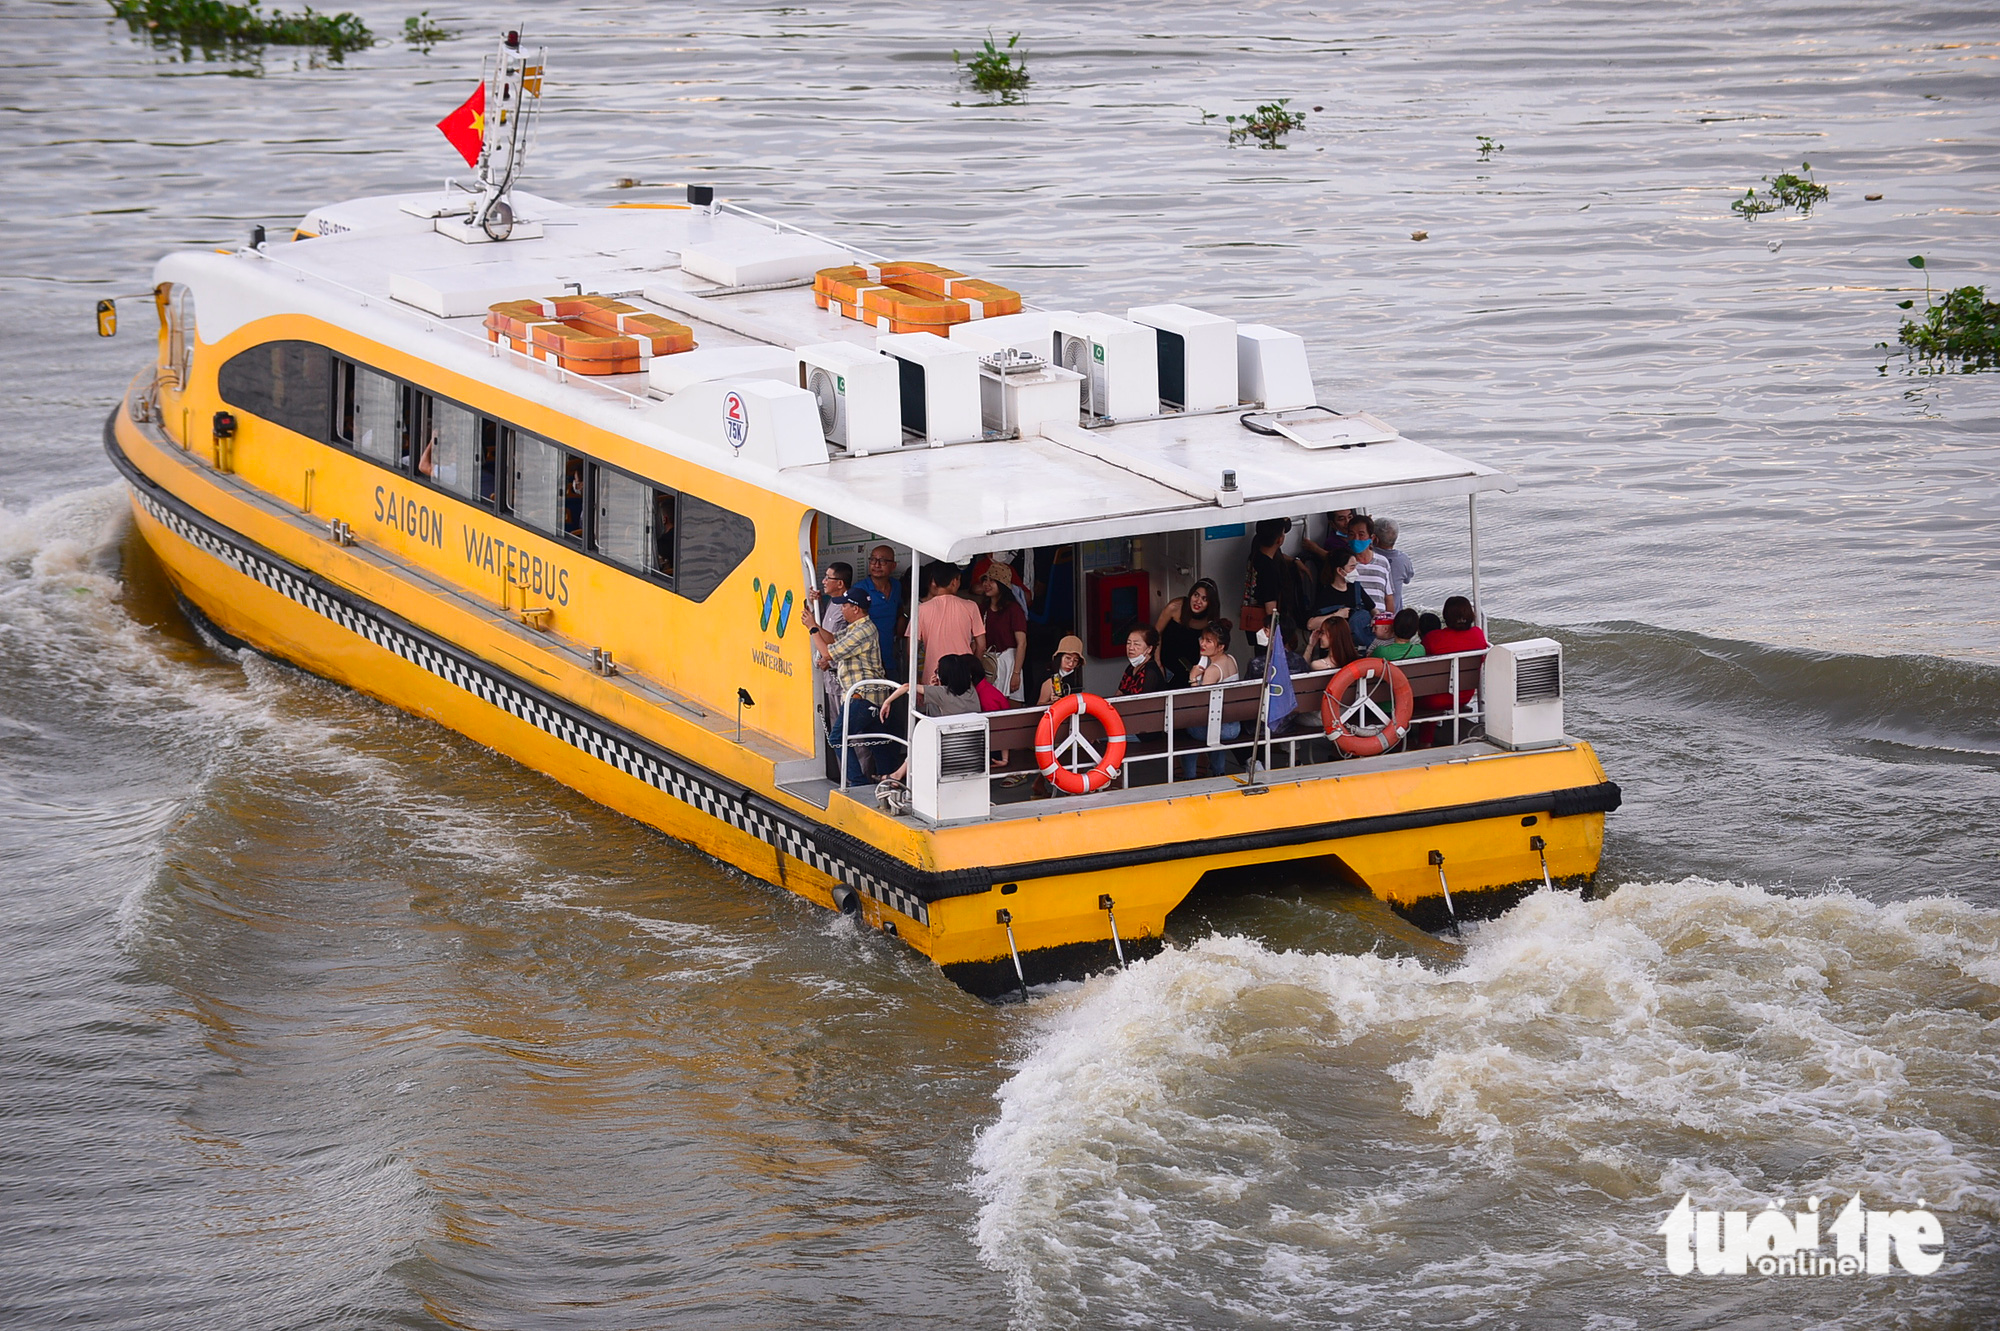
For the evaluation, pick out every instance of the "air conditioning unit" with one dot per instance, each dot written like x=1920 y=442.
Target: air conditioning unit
x=1118 y=360
x=1271 y=368
x=938 y=386
x=859 y=395
x=1027 y=331
x=1197 y=356
x=947 y=776
x=1522 y=690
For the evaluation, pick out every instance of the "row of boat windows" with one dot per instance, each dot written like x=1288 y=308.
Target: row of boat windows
x=668 y=536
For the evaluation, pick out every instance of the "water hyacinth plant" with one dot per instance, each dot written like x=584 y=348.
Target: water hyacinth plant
x=420 y=32
x=1787 y=191
x=1487 y=147
x=1268 y=124
x=1961 y=331
x=996 y=69
x=217 y=23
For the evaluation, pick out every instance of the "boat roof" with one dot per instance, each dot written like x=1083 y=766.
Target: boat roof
x=379 y=267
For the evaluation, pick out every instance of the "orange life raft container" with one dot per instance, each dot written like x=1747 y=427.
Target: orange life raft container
x=586 y=334
x=910 y=297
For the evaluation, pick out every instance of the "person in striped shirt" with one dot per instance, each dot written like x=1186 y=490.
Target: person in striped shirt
x=1371 y=569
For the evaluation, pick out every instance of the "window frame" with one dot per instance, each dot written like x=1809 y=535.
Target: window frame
x=651 y=574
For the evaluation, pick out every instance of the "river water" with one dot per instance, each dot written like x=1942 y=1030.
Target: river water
x=317 y=1016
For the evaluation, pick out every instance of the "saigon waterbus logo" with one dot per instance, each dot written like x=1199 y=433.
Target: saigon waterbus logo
x=1772 y=1243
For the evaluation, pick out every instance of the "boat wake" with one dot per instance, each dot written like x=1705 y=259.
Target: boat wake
x=1304 y=1138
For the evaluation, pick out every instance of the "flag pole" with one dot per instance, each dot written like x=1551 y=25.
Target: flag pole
x=1275 y=645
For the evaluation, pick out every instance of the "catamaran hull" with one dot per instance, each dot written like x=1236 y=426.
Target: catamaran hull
x=974 y=923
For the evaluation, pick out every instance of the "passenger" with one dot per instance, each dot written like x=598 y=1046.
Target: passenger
x=991 y=699
x=1294 y=659
x=834 y=581
x=1401 y=571
x=1268 y=581
x=1337 y=523
x=1143 y=672
x=1342 y=597
x=885 y=608
x=954 y=693
x=1461 y=633
x=1010 y=558
x=573 y=498
x=855 y=654
x=947 y=624
x=1427 y=624
x=1216 y=666
x=1406 y=646
x=1180 y=626
x=1006 y=628
x=1370 y=569
x=1331 y=646
x=1065 y=671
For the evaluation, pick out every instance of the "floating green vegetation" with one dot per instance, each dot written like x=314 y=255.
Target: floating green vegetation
x=217 y=23
x=1787 y=191
x=997 y=69
x=1487 y=147
x=1267 y=124
x=423 y=34
x=1961 y=331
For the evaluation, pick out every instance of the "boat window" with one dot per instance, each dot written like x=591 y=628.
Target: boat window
x=181 y=335
x=413 y=425
x=572 y=490
x=368 y=413
x=537 y=490
x=712 y=541
x=634 y=527
x=489 y=459
x=287 y=383
x=451 y=456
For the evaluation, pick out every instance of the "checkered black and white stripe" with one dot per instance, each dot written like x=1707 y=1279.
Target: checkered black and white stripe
x=492 y=686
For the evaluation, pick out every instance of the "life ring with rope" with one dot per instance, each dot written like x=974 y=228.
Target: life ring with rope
x=1348 y=725
x=1049 y=754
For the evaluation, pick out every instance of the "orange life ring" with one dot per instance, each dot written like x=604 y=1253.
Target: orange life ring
x=1368 y=669
x=1106 y=770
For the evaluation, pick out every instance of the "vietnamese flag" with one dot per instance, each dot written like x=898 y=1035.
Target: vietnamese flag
x=466 y=127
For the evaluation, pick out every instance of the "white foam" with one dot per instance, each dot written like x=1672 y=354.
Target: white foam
x=1582 y=1066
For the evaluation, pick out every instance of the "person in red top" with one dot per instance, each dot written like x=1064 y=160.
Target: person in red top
x=1459 y=634
x=1006 y=626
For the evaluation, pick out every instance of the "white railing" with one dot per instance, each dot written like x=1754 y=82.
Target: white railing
x=874 y=740
x=1190 y=721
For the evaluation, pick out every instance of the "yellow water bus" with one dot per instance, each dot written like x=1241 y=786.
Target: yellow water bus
x=347 y=457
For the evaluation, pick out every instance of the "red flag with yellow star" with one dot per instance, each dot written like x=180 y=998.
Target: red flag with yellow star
x=466 y=127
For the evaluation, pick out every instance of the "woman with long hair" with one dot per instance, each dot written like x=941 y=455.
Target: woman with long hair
x=1180 y=626
x=1341 y=596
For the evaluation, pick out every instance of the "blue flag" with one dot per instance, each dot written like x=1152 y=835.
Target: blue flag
x=1278 y=678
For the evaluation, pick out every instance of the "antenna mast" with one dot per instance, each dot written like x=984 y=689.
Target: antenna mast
x=513 y=104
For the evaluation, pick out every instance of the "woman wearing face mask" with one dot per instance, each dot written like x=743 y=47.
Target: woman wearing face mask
x=1341 y=596
x=1180 y=625
x=1143 y=672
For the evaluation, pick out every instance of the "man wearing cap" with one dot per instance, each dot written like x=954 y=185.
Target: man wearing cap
x=853 y=655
